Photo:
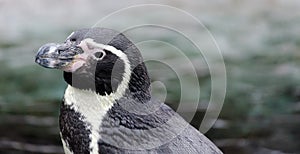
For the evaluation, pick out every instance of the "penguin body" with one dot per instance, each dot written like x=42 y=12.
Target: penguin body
x=107 y=106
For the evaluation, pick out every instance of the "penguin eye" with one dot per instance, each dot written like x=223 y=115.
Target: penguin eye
x=99 y=55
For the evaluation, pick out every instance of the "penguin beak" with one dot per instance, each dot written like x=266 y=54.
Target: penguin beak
x=57 y=56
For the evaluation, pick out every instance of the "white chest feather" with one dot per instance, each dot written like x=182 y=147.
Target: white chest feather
x=92 y=107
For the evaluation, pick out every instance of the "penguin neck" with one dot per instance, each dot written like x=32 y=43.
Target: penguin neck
x=101 y=85
x=137 y=85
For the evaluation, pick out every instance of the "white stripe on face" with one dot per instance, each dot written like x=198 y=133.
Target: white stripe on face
x=88 y=43
x=70 y=35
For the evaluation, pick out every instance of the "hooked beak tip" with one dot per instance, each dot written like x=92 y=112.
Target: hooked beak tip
x=57 y=56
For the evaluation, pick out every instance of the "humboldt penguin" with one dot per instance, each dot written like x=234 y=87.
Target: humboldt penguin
x=107 y=106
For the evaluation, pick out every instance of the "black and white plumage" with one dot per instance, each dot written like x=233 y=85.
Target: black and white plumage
x=107 y=106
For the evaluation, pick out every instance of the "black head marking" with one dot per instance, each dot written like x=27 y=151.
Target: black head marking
x=101 y=79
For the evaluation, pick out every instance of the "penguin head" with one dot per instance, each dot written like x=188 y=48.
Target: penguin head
x=97 y=59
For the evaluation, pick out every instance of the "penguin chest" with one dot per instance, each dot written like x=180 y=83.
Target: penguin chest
x=80 y=119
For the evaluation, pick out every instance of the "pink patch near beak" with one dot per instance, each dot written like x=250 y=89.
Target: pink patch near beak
x=81 y=59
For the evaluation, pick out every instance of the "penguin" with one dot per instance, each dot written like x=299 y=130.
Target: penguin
x=107 y=106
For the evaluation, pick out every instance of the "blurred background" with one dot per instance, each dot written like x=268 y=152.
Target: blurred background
x=260 y=44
